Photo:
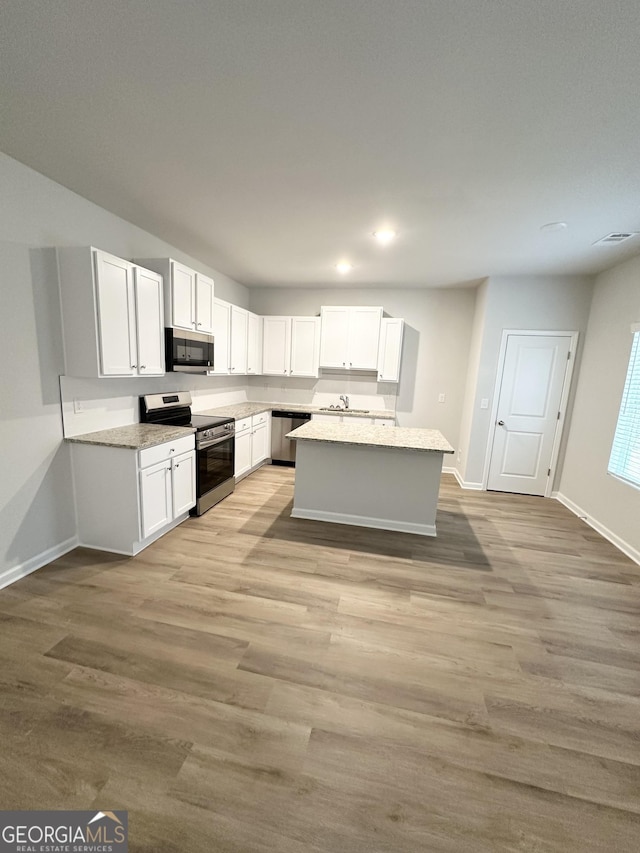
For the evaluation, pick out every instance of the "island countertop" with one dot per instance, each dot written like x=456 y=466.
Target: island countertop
x=132 y=437
x=401 y=438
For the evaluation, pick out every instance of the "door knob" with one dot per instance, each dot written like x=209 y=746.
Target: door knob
x=500 y=423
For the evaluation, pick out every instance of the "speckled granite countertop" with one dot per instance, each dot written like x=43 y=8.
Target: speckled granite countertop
x=402 y=438
x=134 y=437
x=246 y=410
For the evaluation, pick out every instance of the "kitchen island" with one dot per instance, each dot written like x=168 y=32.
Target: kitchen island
x=369 y=476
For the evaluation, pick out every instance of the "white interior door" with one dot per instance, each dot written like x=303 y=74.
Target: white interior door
x=528 y=412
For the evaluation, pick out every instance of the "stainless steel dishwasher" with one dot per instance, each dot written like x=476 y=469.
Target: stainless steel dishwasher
x=283 y=450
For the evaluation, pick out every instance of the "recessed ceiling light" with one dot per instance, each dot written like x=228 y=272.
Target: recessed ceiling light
x=553 y=226
x=344 y=267
x=384 y=236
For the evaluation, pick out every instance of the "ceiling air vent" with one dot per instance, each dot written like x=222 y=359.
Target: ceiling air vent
x=616 y=237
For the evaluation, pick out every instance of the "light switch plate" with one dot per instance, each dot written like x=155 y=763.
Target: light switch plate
x=484 y=403
x=441 y=398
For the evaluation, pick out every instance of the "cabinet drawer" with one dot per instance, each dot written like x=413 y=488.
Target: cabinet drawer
x=243 y=424
x=162 y=452
x=262 y=418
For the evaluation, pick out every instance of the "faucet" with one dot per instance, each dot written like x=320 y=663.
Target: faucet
x=345 y=400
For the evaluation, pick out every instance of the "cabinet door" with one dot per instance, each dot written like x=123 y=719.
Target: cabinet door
x=364 y=337
x=305 y=346
x=239 y=333
x=334 y=330
x=149 y=322
x=183 y=482
x=327 y=419
x=259 y=451
x=183 y=291
x=116 y=315
x=254 y=344
x=389 y=351
x=243 y=453
x=204 y=304
x=156 y=507
x=276 y=348
x=222 y=336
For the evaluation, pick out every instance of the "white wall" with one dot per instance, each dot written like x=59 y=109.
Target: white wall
x=609 y=504
x=554 y=303
x=36 y=506
x=437 y=332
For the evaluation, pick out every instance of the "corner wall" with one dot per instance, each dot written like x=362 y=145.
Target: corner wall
x=554 y=303
x=611 y=506
x=37 y=515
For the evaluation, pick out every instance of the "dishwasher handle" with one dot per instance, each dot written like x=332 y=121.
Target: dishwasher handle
x=294 y=416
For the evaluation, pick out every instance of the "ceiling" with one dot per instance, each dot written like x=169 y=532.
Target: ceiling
x=269 y=138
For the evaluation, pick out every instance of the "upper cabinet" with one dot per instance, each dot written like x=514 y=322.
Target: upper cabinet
x=349 y=337
x=291 y=346
x=390 y=349
x=239 y=339
x=112 y=315
x=254 y=343
x=221 y=337
x=189 y=296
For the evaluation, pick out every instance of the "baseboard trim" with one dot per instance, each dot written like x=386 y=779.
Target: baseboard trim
x=365 y=521
x=476 y=487
x=619 y=543
x=15 y=573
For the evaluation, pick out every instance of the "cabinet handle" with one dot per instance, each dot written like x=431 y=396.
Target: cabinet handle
x=350 y=364
x=172 y=450
x=143 y=367
x=198 y=324
x=177 y=465
x=133 y=366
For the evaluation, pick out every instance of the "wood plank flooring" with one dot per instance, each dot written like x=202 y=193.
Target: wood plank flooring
x=255 y=683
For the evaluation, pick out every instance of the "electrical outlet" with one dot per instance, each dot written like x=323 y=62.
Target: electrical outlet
x=78 y=406
x=441 y=398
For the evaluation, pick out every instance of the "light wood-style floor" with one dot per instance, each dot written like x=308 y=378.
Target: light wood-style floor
x=255 y=683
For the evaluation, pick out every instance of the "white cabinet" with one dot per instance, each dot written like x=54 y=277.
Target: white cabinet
x=254 y=344
x=291 y=346
x=239 y=339
x=253 y=443
x=351 y=419
x=188 y=297
x=305 y=346
x=204 y=304
x=222 y=337
x=390 y=349
x=167 y=484
x=276 y=349
x=349 y=337
x=149 y=322
x=125 y=499
x=112 y=314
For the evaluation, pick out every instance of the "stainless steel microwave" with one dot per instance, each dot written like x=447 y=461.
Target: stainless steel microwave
x=188 y=352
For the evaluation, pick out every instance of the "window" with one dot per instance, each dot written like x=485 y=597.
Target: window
x=625 y=453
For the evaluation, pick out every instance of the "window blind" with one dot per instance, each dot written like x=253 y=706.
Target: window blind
x=625 y=452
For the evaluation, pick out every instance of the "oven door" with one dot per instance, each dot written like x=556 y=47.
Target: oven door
x=188 y=352
x=215 y=463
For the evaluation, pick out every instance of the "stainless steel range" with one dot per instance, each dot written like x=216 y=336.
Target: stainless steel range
x=215 y=444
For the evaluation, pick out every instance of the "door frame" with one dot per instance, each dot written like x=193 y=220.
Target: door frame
x=564 y=399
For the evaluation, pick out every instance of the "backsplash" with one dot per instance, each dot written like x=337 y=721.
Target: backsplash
x=92 y=404
x=364 y=392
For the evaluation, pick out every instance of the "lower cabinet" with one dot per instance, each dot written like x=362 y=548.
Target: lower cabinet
x=253 y=443
x=350 y=419
x=167 y=490
x=125 y=499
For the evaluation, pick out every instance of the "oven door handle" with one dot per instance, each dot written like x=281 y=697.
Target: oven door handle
x=206 y=444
